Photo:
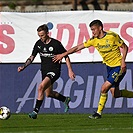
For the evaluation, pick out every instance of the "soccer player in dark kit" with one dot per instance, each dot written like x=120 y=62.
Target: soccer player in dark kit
x=47 y=47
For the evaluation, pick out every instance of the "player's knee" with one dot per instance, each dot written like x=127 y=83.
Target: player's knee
x=116 y=95
x=48 y=95
x=103 y=90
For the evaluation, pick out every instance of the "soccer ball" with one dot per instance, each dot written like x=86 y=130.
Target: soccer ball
x=4 y=113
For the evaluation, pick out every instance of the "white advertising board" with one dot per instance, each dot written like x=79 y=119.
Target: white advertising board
x=18 y=32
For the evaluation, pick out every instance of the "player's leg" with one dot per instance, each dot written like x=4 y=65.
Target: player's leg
x=46 y=83
x=111 y=76
x=102 y=101
x=54 y=75
x=126 y=93
x=116 y=93
x=53 y=94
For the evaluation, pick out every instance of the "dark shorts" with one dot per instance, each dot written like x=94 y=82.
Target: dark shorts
x=52 y=74
x=115 y=75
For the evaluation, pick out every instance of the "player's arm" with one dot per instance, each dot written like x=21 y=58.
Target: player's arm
x=70 y=51
x=27 y=63
x=70 y=71
x=124 y=54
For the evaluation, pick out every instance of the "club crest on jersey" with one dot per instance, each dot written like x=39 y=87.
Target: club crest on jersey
x=51 y=48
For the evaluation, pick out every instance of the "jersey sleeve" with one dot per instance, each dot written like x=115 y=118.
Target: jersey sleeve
x=62 y=49
x=87 y=43
x=34 y=51
x=118 y=40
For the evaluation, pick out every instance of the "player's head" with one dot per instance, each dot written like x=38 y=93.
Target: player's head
x=96 y=27
x=97 y=23
x=43 y=27
x=43 y=32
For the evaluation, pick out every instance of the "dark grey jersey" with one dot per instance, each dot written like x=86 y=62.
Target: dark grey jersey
x=47 y=52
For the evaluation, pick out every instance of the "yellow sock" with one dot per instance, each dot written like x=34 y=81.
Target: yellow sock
x=102 y=101
x=126 y=93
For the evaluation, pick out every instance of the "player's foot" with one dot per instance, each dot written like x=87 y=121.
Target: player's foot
x=66 y=104
x=33 y=115
x=95 y=116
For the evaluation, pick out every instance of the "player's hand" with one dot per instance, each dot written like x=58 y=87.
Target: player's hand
x=71 y=75
x=57 y=58
x=21 y=68
x=124 y=68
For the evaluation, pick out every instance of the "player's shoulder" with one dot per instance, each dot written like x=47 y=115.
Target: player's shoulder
x=55 y=40
x=38 y=41
x=92 y=38
x=111 y=33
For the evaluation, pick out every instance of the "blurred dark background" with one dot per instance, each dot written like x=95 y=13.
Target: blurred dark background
x=52 y=5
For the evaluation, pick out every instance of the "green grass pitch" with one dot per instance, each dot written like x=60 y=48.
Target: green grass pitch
x=67 y=123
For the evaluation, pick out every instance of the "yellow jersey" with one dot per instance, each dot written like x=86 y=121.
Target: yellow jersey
x=108 y=47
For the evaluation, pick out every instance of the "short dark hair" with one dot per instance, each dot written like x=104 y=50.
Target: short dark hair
x=96 y=22
x=43 y=27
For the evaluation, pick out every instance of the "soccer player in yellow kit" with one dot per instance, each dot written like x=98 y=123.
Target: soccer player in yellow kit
x=108 y=45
